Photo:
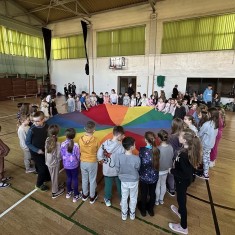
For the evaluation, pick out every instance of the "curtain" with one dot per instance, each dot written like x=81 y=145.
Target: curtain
x=120 y=42
x=13 y=42
x=70 y=47
x=47 y=42
x=84 y=29
x=199 y=34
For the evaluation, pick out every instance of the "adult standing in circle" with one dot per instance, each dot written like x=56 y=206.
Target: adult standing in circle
x=73 y=89
x=130 y=90
x=207 y=95
x=175 y=92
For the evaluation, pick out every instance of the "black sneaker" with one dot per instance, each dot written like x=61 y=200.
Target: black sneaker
x=205 y=177
x=142 y=212
x=151 y=212
x=84 y=197
x=59 y=193
x=42 y=188
x=93 y=199
x=172 y=194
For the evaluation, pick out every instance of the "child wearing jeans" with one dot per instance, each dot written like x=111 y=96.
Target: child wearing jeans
x=70 y=154
x=106 y=156
x=53 y=158
x=22 y=131
x=207 y=134
x=89 y=145
x=127 y=166
x=165 y=162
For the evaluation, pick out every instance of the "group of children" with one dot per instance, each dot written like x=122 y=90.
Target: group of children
x=47 y=152
x=175 y=107
x=171 y=166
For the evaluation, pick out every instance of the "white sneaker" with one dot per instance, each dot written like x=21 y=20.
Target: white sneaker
x=30 y=170
x=124 y=216
x=77 y=197
x=175 y=210
x=212 y=164
x=59 y=193
x=161 y=202
x=69 y=194
x=177 y=228
x=157 y=203
x=132 y=215
x=107 y=202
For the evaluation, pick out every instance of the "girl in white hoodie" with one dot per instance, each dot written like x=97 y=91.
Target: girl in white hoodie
x=22 y=131
x=106 y=156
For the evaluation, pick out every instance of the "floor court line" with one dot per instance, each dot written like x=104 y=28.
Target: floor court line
x=57 y=212
x=8 y=133
x=8 y=115
x=147 y=222
x=215 y=204
x=21 y=200
x=188 y=194
x=17 y=203
x=217 y=229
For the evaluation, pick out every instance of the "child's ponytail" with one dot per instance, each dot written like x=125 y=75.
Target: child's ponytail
x=70 y=134
x=151 y=138
x=53 y=131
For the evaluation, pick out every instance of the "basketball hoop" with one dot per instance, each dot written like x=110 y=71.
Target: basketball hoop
x=117 y=63
x=114 y=68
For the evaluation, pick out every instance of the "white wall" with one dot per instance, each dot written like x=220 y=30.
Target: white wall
x=176 y=67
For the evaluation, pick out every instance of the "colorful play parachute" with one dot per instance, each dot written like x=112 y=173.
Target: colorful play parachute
x=135 y=121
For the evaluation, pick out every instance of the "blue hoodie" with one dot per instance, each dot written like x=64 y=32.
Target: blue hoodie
x=207 y=95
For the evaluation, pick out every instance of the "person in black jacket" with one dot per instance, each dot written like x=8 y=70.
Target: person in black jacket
x=180 y=111
x=130 y=90
x=183 y=170
x=73 y=88
x=70 y=88
x=35 y=141
x=66 y=92
x=175 y=92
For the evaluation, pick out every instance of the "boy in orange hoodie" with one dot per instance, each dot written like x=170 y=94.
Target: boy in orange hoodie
x=89 y=145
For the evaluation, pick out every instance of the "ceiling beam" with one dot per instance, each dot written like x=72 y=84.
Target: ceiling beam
x=70 y=18
x=53 y=4
x=120 y=8
x=26 y=12
x=48 y=14
x=6 y=8
x=152 y=4
x=70 y=10
x=83 y=8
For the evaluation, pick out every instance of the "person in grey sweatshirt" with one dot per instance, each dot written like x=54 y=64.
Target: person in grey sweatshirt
x=165 y=162
x=207 y=134
x=127 y=166
x=106 y=156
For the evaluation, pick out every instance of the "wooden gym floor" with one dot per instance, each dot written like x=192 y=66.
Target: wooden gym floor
x=211 y=204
